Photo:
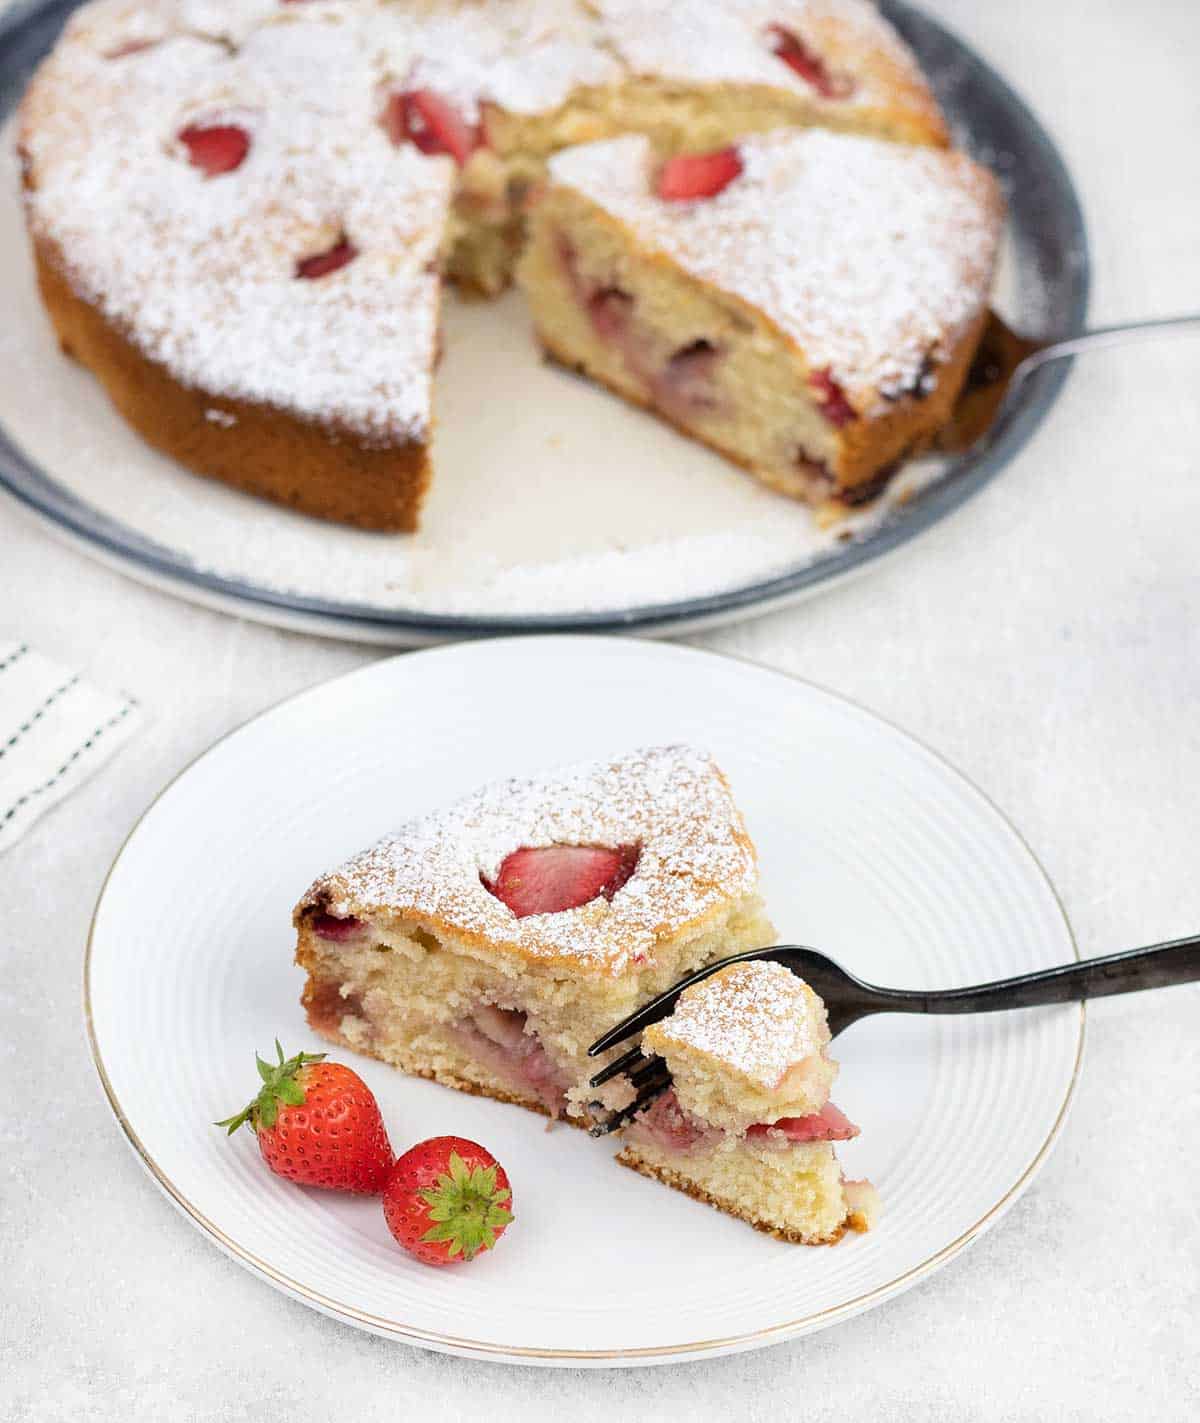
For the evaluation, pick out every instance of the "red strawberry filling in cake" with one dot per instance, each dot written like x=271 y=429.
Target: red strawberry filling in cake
x=748 y=1125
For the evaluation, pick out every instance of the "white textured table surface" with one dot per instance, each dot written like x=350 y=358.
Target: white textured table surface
x=1046 y=640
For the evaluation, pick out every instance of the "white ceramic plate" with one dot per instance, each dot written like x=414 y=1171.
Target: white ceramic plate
x=872 y=848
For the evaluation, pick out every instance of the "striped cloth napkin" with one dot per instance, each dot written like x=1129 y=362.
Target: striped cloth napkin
x=56 y=729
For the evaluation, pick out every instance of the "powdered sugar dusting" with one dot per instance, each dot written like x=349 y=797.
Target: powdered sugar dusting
x=757 y=1018
x=730 y=41
x=201 y=272
x=525 y=56
x=671 y=801
x=872 y=257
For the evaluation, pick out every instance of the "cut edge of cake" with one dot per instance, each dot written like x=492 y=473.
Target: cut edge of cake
x=745 y=297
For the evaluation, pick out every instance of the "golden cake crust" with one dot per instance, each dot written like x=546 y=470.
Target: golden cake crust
x=317 y=469
x=871 y=454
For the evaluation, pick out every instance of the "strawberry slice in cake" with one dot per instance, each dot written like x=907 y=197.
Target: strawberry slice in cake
x=807 y=303
x=488 y=944
x=748 y=1125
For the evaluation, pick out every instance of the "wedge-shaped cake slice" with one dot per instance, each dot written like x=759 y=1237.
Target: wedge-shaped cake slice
x=748 y=1125
x=807 y=303
x=486 y=945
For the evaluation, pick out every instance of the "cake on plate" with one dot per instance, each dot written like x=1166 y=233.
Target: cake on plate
x=807 y=303
x=241 y=213
x=748 y=1125
x=488 y=944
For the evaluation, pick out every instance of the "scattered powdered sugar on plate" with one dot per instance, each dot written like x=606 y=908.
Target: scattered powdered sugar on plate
x=695 y=859
x=758 y=1018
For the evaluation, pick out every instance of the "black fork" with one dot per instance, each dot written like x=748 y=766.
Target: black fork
x=847 y=999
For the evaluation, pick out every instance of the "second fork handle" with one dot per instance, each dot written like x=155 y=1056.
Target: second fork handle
x=1159 y=966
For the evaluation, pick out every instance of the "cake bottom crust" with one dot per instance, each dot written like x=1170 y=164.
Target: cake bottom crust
x=325 y=472
x=854 y=1220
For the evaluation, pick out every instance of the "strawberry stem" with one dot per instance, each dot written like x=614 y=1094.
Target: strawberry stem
x=280 y=1084
x=466 y=1210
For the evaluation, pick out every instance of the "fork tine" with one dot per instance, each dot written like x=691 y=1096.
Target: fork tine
x=653 y=1087
x=627 y=1062
x=648 y=1072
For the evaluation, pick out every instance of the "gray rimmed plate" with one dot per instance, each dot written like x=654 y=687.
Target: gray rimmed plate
x=555 y=507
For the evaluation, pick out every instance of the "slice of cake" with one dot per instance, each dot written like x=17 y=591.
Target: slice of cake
x=487 y=945
x=748 y=1125
x=807 y=303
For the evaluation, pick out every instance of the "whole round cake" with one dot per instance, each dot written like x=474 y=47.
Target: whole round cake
x=242 y=213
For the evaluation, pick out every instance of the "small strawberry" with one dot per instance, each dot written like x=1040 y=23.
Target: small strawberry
x=215 y=148
x=557 y=877
x=446 y=1200
x=320 y=264
x=698 y=175
x=318 y=1124
x=808 y=65
x=430 y=122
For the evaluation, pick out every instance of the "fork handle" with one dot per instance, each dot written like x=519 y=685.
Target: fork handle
x=1159 y=966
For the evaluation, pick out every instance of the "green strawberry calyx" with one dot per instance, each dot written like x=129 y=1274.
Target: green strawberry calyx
x=280 y=1085
x=466 y=1208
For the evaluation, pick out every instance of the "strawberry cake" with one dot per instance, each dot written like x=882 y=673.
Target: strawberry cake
x=242 y=212
x=747 y=1125
x=807 y=303
x=488 y=944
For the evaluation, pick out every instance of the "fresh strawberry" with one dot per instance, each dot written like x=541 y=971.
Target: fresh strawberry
x=328 y=926
x=698 y=175
x=558 y=877
x=318 y=1124
x=446 y=1200
x=320 y=264
x=432 y=123
x=789 y=47
x=215 y=148
x=834 y=405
